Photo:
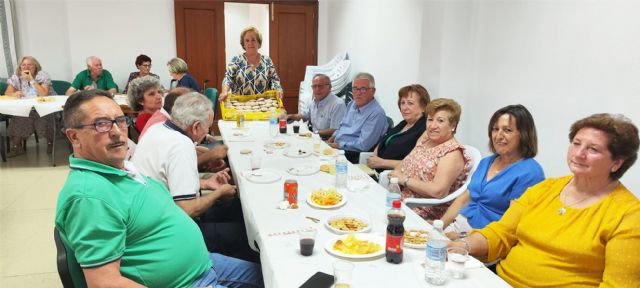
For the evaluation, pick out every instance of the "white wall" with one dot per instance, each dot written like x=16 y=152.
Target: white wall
x=242 y=15
x=563 y=60
x=61 y=34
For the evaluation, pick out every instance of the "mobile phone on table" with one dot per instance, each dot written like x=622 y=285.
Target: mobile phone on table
x=318 y=280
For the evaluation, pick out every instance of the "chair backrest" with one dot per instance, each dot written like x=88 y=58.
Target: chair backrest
x=69 y=270
x=390 y=123
x=470 y=151
x=347 y=93
x=3 y=87
x=60 y=86
x=212 y=94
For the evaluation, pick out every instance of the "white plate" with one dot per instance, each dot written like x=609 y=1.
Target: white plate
x=418 y=246
x=303 y=170
x=262 y=176
x=338 y=231
x=339 y=204
x=297 y=153
x=272 y=144
x=370 y=237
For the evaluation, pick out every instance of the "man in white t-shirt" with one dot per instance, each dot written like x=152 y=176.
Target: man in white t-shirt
x=167 y=154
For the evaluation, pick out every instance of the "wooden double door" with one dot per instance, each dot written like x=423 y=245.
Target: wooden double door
x=293 y=38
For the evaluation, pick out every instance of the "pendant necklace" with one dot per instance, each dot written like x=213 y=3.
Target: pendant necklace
x=562 y=209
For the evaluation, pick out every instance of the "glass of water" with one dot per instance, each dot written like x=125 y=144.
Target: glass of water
x=457 y=257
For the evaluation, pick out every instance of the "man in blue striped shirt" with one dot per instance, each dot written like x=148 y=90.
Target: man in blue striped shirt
x=365 y=122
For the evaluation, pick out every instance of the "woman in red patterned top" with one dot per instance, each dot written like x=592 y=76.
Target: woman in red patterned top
x=144 y=96
x=437 y=148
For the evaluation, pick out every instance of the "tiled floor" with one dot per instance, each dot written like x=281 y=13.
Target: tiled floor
x=29 y=187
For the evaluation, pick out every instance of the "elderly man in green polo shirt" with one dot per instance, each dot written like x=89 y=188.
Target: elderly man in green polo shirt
x=123 y=227
x=93 y=78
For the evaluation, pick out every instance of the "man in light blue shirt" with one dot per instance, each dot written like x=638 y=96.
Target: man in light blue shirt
x=326 y=111
x=365 y=122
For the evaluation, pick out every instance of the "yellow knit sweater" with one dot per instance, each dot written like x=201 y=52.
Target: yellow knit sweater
x=590 y=247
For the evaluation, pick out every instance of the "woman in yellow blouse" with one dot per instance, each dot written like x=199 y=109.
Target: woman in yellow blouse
x=581 y=230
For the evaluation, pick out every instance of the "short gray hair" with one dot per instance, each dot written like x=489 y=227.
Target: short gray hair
x=365 y=75
x=189 y=108
x=137 y=87
x=177 y=65
x=324 y=76
x=90 y=60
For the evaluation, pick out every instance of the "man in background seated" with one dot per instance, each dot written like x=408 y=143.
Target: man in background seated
x=122 y=226
x=365 y=122
x=326 y=111
x=167 y=153
x=93 y=78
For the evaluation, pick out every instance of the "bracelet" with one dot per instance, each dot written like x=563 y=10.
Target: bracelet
x=406 y=180
x=466 y=244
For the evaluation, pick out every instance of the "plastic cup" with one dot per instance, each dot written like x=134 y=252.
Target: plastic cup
x=457 y=257
x=256 y=161
x=342 y=272
x=307 y=241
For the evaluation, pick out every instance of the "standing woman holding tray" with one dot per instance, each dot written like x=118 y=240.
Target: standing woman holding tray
x=250 y=72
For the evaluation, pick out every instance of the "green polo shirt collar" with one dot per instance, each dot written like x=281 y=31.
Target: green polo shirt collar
x=83 y=164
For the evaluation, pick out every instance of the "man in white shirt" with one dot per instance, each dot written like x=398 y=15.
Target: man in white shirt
x=167 y=153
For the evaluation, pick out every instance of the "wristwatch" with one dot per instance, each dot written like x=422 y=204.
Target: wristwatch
x=404 y=182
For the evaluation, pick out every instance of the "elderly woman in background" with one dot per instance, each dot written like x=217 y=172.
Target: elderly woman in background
x=398 y=142
x=143 y=63
x=500 y=177
x=28 y=82
x=179 y=72
x=250 y=72
x=437 y=165
x=144 y=97
x=579 y=230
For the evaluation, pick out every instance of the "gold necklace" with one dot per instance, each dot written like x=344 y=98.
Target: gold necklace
x=607 y=188
x=563 y=210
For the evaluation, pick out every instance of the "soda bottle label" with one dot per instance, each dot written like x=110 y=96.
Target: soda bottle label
x=394 y=243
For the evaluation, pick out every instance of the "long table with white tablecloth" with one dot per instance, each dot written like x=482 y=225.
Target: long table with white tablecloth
x=274 y=230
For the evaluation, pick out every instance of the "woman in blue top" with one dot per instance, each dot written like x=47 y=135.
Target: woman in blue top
x=179 y=72
x=501 y=177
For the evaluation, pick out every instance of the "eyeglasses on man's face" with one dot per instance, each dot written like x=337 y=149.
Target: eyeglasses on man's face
x=146 y=65
x=360 y=89
x=318 y=86
x=105 y=125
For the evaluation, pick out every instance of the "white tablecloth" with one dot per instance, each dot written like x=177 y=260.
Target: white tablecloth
x=22 y=107
x=274 y=230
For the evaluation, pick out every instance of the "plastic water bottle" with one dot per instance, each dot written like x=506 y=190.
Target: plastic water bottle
x=273 y=124
x=394 y=191
x=341 y=170
x=439 y=226
x=436 y=258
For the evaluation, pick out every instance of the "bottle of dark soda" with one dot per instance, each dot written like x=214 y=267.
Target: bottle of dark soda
x=395 y=233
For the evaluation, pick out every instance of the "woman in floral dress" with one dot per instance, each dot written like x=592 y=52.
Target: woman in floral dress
x=437 y=165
